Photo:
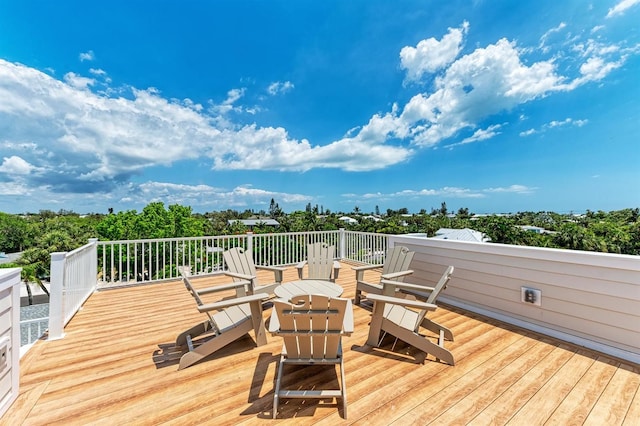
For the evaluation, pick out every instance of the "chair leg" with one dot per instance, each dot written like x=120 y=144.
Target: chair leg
x=194 y=331
x=344 y=389
x=276 y=394
x=358 y=297
x=214 y=344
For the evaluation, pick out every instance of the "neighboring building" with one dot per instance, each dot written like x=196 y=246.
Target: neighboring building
x=465 y=234
x=250 y=223
x=348 y=219
x=536 y=229
x=374 y=218
x=9 y=257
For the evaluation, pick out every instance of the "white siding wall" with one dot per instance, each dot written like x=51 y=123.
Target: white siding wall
x=9 y=337
x=592 y=299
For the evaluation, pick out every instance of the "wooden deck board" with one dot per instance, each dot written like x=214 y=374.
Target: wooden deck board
x=117 y=364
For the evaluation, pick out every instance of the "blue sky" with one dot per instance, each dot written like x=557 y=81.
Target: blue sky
x=497 y=106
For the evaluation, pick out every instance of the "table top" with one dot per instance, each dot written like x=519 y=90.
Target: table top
x=295 y=288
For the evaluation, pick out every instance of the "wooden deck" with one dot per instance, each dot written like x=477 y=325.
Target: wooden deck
x=117 y=364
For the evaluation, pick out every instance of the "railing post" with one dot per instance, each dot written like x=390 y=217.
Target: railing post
x=56 y=308
x=250 y=242
x=341 y=245
x=94 y=265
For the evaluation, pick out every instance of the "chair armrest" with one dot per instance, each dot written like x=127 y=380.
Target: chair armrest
x=215 y=306
x=395 y=275
x=240 y=276
x=277 y=271
x=365 y=267
x=271 y=268
x=360 y=271
x=300 y=267
x=274 y=322
x=403 y=302
x=223 y=287
x=406 y=286
x=347 y=322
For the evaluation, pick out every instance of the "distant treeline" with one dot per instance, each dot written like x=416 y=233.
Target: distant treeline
x=37 y=235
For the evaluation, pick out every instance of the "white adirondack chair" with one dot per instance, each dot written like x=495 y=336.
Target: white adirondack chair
x=395 y=267
x=240 y=267
x=227 y=320
x=403 y=318
x=321 y=263
x=312 y=327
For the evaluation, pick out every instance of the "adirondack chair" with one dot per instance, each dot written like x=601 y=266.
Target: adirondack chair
x=320 y=263
x=227 y=320
x=403 y=317
x=312 y=327
x=240 y=267
x=395 y=267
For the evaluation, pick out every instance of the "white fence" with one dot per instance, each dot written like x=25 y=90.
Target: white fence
x=73 y=279
x=139 y=261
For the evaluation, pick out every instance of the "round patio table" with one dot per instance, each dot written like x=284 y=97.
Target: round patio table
x=296 y=288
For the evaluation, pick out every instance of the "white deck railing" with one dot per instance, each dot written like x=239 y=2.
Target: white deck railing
x=140 y=261
x=32 y=329
x=592 y=299
x=73 y=279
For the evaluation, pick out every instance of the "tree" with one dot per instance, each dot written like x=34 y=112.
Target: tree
x=443 y=209
x=13 y=233
x=463 y=213
x=274 y=210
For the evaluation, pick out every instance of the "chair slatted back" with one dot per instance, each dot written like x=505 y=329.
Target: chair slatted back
x=320 y=258
x=311 y=326
x=397 y=259
x=442 y=284
x=239 y=261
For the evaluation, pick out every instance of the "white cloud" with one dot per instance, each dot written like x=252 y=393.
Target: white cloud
x=431 y=55
x=518 y=189
x=566 y=122
x=280 y=87
x=447 y=191
x=477 y=85
x=77 y=81
x=206 y=196
x=87 y=56
x=555 y=124
x=88 y=142
x=621 y=7
x=480 y=135
x=483 y=83
x=548 y=34
x=15 y=165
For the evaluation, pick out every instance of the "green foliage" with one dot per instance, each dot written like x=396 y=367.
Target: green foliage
x=46 y=232
x=153 y=222
x=14 y=235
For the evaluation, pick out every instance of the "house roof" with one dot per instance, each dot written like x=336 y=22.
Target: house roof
x=348 y=219
x=465 y=234
x=254 y=222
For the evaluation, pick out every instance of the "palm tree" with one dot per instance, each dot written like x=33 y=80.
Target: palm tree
x=34 y=266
